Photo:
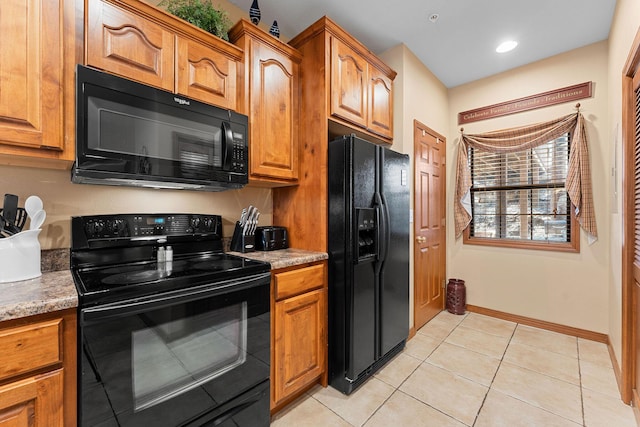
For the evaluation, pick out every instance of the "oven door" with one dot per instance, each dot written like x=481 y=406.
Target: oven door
x=195 y=357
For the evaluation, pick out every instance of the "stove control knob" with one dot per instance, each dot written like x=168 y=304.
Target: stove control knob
x=118 y=227
x=195 y=222
x=208 y=224
x=94 y=228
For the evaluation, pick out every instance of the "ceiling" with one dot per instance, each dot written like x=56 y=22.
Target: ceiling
x=459 y=46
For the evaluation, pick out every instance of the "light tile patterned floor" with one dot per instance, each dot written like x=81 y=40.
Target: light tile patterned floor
x=478 y=371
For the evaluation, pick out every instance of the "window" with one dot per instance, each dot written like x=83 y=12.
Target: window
x=520 y=200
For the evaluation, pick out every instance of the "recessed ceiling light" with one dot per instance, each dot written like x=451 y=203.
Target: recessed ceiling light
x=506 y=46
x=434 y=17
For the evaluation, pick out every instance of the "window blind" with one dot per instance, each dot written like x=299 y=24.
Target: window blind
x=521 y=195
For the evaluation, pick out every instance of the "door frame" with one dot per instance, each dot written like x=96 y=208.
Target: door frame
x=628 y=304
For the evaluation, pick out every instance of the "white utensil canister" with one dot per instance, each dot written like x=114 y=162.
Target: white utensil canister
x=20 y=256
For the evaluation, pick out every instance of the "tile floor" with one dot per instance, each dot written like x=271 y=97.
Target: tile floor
x=479 y=371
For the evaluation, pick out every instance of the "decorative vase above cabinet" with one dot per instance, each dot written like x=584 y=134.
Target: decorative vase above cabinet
x=268 y=92
x=138 y=41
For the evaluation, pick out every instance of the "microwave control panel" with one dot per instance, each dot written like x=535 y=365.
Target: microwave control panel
x=239 y=153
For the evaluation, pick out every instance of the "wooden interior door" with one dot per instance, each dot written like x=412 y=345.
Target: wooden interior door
x=429 y=223
x=636 y=234
x=630 y=370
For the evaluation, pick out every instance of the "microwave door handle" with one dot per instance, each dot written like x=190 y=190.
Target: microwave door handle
x=227 y=146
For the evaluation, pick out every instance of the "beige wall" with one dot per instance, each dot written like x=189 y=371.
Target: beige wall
x=569 y=289
x=623 y=31
x=63 y=199
x=418 y=95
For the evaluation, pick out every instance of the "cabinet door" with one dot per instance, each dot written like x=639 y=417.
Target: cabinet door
x=349 y=84
x=33 y=402
x=380 y=104
x=274 y=113
x=205 y=74
x=300 y=344
x=126 y=44
x=31 y=73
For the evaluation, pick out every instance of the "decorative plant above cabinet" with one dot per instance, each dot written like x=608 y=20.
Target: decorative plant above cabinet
x=202 y=14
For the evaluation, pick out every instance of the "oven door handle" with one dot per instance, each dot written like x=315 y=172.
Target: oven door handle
x=140 y=305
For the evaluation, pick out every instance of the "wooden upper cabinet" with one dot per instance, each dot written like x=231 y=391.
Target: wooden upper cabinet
x=349 y=84
x=380 y=104
x=205 y=74
x=361 y=93
x=124 y=43
x=141 y=42
x=36 y=56
x=269 y=94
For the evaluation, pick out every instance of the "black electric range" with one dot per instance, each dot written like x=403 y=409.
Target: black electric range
x=115 y=257
x=171 y=330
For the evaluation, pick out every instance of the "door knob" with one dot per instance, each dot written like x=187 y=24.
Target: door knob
x=421 y=239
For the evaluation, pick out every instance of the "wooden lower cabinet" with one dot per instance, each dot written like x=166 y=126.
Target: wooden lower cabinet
x=299 y=332
x=38 y=370
x=33 y=402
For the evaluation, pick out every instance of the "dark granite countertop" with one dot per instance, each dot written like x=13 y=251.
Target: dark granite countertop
x=284 y=257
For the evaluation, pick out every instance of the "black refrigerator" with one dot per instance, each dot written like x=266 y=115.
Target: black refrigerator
x=368 y=244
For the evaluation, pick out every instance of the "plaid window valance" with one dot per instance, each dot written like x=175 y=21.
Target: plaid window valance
x=518 y=139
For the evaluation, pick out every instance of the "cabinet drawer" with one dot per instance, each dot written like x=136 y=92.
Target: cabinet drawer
x=30 y=347
x=297 y=281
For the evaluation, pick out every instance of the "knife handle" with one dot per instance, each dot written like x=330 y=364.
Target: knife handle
x=10 y=208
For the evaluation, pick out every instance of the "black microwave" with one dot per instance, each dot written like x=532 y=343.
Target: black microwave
x=131 y=134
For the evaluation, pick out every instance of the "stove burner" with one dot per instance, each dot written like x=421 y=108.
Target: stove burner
x=217 y=266
x=136 y=277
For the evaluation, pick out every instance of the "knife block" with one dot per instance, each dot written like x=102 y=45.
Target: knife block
x=240 y=242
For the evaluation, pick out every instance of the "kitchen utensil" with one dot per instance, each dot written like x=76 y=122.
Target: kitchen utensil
x=243 y=216
x=38 y=220
x=255 y=223
x=247 y=225
x=17 y=225
x=9 y=209
x=32 y=205
x=21 y=219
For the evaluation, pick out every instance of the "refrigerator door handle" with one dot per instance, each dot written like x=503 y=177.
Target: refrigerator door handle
x=384 y=230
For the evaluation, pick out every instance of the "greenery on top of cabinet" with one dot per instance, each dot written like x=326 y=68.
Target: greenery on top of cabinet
x=202 y=14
